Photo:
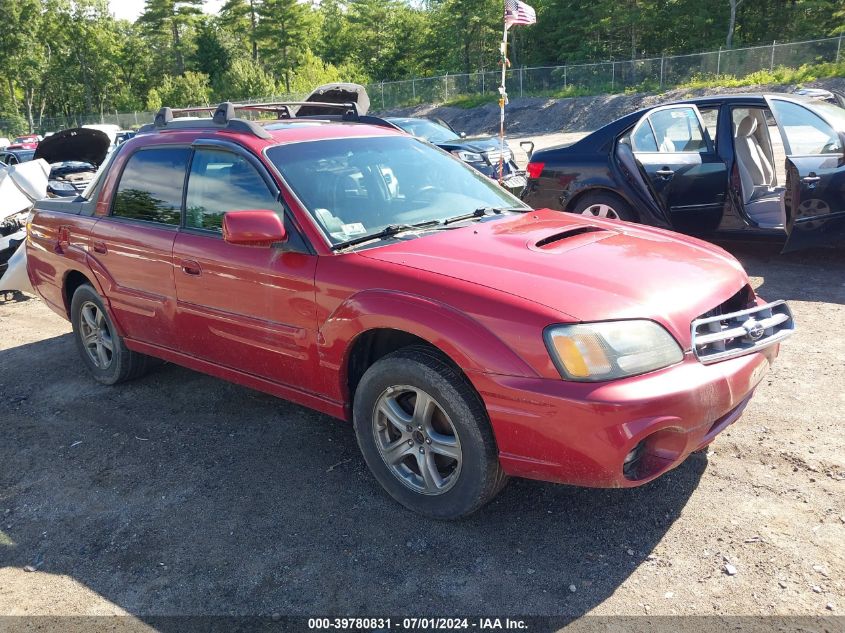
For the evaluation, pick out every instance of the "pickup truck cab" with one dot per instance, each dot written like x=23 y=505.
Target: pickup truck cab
x=344 y=265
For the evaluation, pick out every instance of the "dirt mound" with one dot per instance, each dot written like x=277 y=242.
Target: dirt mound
x=539 y=115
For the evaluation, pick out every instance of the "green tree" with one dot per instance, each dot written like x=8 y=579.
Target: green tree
x=281 y=30
x=214 y=54
x=244 y=79
x=26 y=53
x=190 y=89
x=241 y=18
x=165 y=24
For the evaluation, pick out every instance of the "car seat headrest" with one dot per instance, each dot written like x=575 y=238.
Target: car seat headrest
x=747 y=126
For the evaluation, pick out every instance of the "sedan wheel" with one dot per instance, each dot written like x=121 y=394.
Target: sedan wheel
x=601 y=211
x=417 y=440
x=96 y=336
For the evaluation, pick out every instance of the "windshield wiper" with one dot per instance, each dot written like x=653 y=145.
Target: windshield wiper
x=388 y=231
x=480 y=212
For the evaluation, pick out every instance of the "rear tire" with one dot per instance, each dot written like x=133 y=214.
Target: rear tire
x=605 y=205
x=425 y=435
x=102 y=349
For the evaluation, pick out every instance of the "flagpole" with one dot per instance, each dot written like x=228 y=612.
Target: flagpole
x=503 y=99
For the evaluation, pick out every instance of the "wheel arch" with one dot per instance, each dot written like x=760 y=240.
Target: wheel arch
x=374 y=323
x=372 y=345
x=604 y=189
x=73 y=278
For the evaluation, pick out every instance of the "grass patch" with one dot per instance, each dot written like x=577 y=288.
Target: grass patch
x=471 y=101
x=779 y=75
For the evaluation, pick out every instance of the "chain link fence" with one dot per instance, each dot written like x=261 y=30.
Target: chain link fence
x=615 y=76
x=654 y=73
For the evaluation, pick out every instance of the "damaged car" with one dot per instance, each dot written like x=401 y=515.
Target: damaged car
x=20 y=186
x=74 y=156
x=62 y=166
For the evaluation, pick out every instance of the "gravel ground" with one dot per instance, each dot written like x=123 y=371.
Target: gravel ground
x=541 y=115
x=182 y=494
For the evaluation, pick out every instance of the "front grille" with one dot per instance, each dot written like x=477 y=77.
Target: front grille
x=493 y=155
x=723 y=336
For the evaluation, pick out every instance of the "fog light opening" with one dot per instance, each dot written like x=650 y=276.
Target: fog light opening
x=630 y=466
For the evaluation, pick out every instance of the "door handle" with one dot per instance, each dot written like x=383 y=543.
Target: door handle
x=811 y=178
x=191 y=267
x=99 y=247
x=665 y=172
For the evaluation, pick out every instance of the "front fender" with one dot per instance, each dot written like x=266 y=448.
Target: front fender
x=468 y=343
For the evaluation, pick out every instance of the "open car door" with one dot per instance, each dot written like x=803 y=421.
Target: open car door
x=815 y=180
x=682 y=167
x=637 y=179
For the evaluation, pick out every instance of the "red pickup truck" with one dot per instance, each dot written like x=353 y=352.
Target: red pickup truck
x=346 y=266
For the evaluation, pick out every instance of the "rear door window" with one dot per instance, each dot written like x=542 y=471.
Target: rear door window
x=710 y=116
x=150 y=187
x=222 y=181
x=677 y=130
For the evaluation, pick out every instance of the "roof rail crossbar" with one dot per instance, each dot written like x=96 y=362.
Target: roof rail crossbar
x=283 y=108
x=223 y=116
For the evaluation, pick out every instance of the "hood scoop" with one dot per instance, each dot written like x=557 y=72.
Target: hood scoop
x=560 y=239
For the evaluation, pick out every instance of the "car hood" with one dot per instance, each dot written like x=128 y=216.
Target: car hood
x=478 y=144
x=586 y=269
x=336 y=93
x=77 y=144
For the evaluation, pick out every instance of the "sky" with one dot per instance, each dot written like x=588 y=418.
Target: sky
x=131 y=9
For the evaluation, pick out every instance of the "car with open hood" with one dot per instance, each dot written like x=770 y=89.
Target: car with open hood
x=483 y=153
x=29 y=141
x=352 y=268
x=734 y=166
x=74 y=156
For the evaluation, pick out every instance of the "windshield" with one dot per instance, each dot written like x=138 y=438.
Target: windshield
x=429 y=130
x=355 y=187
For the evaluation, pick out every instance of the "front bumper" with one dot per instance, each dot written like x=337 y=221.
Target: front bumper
x=581 y=433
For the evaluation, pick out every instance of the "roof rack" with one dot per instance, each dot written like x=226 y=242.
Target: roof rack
x=223 y=116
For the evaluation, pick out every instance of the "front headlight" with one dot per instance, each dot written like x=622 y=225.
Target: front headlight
x=468 y=157
x=592 y=352
x=61 y=185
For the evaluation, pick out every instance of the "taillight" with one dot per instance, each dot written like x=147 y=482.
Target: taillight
x=535 y=169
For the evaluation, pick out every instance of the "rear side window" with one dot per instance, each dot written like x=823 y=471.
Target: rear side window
x=221 y=181
x=150 y=187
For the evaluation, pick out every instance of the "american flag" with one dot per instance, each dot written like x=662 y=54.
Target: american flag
x=517 y=12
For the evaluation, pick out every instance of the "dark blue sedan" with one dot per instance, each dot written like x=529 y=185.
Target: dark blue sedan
x=746 y=166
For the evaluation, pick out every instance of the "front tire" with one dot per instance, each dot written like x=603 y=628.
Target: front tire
x=425 y=435
x=102 y=349
x=605 y=205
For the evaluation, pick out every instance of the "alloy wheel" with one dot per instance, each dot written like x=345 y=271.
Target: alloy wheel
x=812 y=208
x=96 y=336
x=417 y=440
x=601 y=211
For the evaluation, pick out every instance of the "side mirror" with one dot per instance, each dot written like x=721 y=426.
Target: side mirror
x=463 y=134
x=262 y=227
